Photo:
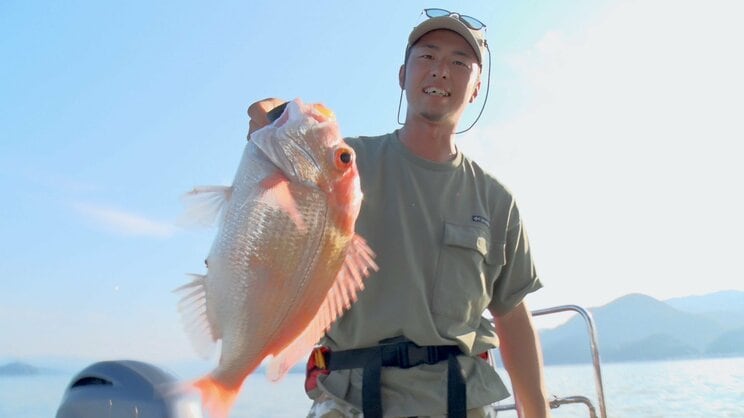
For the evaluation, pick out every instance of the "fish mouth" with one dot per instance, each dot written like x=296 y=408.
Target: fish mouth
x=285 y=145
x=436 y=91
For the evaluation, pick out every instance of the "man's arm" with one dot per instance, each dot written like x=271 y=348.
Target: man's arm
x=522 y=356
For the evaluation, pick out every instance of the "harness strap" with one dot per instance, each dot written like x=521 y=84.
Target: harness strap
x=405 y=355
x=371 y=392
x=456 y=389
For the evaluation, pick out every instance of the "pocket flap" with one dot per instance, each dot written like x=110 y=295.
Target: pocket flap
x=475 y=238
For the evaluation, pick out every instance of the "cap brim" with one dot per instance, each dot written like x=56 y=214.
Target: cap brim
x=448 y=23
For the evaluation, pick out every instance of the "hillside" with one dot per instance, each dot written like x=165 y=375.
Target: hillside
x=728 y=344
x=639 y=327
x=726 y=300
x=18 y=369
x=726 y=307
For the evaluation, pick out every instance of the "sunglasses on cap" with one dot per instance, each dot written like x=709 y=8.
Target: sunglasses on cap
x=468 y=21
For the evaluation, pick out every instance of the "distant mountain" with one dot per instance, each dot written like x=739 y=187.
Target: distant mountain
x=728 y=344
x=726 y=307
x=53 y=364
x=726 y=300
x=19 y=369
x=653 y=347
x=638 y=327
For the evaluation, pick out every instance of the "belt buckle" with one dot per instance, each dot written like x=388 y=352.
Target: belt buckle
x=404 y=358
x=392 y=355
x=416 y=355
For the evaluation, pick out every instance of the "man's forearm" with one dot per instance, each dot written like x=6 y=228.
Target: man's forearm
x=520 y=351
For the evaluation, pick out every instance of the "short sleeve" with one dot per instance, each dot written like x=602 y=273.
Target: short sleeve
x=518 y=277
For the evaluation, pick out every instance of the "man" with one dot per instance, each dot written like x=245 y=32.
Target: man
x=450 y=244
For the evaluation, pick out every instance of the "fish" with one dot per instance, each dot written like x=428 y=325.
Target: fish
x=285 y=262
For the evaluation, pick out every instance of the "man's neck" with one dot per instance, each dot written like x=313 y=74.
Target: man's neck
x=431 y=142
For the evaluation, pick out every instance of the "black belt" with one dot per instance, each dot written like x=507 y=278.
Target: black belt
x=405 y=355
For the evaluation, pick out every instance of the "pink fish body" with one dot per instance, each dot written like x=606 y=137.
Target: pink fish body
x=285 y=262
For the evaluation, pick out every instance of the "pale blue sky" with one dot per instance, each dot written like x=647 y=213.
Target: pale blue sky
x=616 y=124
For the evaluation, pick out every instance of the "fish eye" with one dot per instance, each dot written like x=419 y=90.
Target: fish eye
x=343 y=157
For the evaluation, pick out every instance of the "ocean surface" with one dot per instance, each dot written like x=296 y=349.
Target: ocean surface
x=710 y=388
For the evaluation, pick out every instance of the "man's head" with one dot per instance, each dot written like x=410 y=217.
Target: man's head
x=441 y=74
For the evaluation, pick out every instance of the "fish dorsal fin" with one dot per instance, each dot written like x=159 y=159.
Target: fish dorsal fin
x=193 y=309
x=358 y=264
x=204 y=205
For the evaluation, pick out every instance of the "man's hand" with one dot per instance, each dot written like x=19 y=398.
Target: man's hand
x=258 y=111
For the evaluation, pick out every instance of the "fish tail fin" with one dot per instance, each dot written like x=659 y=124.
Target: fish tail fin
x=204 y=205
x=217 y=399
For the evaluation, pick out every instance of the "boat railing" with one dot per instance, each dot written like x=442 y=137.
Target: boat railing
x=556 y=402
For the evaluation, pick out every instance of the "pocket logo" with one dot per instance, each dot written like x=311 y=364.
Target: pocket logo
x=481 y=219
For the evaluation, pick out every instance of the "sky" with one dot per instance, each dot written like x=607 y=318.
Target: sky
x=616 y=124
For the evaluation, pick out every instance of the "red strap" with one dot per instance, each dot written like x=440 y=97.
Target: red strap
x=315 y=367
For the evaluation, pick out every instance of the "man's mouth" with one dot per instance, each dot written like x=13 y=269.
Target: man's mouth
x=433 y=91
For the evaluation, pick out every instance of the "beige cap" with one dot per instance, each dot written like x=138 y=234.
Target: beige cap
x=476 y=38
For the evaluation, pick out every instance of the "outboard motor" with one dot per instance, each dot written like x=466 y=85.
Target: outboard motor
x=126 y=389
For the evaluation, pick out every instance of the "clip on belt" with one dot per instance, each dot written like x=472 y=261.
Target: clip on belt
x=404 y=355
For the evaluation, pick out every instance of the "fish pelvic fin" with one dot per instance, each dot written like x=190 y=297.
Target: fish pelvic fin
x=204 y=205
x=193 y=309
x=358 y=265
x=217 y=399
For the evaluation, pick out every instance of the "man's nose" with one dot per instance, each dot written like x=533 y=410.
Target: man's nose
x=440 y=69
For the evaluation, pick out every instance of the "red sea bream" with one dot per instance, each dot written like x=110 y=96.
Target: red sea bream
x=285 y=262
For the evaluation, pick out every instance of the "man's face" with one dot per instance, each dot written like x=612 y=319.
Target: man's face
x=441 y=76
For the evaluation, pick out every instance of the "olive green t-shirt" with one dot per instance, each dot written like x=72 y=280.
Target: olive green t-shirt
x=450 y=244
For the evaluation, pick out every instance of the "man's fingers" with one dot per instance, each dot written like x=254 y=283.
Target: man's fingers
x=258 y=110
x=258 y=113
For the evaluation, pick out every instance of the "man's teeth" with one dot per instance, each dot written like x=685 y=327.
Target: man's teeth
x=436 y=92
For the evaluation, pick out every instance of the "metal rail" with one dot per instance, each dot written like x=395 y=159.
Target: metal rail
x=555 y=403
x=592 y=330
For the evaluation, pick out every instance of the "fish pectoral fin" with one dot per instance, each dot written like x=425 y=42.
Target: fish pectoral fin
x=278 y=194
x=358 y=265
x=193 y=308
x=204 y=205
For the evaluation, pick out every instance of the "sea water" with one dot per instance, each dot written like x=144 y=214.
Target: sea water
x=670 y=389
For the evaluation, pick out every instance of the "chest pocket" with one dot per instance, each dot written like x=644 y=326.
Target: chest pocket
x=469 y=263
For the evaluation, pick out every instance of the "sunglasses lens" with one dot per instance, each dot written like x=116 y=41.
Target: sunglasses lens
x=472 y=22
x=436 y=12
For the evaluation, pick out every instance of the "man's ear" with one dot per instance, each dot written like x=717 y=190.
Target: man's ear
x=402 y=76
x=475 y=92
